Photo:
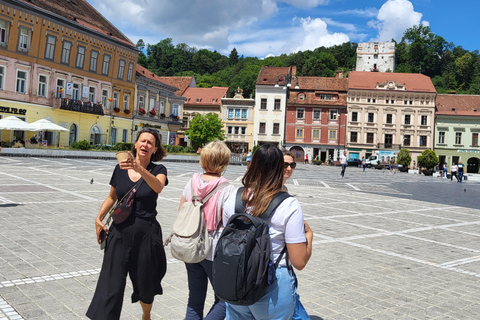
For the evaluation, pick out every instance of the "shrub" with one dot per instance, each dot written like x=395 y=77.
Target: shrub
x=404 y=158
x=121 y=146
x=81 y=145
x=428 y=159
x=174 y=149
x=189 y=149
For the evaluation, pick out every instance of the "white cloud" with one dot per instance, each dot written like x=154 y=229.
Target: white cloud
x=306 y=3
x=346 y=26
x=393 y=18
x=365 y=13
x=315 y=34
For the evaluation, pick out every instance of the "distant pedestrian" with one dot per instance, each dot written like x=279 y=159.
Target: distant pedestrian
x=445 y=170
x=364 y=163
x=460 y=170
x=343 y=161
x=453 y=171
x=306 y=158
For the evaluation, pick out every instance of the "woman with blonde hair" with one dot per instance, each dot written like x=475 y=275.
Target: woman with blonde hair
x=214 y=160
x=264 y=179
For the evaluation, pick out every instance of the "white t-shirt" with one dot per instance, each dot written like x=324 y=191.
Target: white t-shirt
x=222 y=198
x=343 y=159
x=286 y=224
x=454 y=168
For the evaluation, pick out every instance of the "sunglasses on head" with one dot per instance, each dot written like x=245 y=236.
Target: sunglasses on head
x=291 y=164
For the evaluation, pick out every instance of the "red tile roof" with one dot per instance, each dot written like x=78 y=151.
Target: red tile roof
x=82 y=13
x=144 y=72
x=205 y=96
x=182 y=83
x=313 y=87
x=368 y=80
x=458 y=105
x=270 y=75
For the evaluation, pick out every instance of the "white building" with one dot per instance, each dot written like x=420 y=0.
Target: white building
x=376 y=56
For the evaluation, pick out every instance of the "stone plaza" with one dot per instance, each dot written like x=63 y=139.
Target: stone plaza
x=386 y=245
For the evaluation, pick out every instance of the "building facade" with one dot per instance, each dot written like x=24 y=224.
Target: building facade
x=457 y=129
x=237 y=116
x=389 y=111
x=316 y=118
x=270 y=104
x=376 y=56
x=65 y=61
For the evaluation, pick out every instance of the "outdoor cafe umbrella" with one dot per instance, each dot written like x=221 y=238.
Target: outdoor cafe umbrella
x=14 y=123
x=46 y=125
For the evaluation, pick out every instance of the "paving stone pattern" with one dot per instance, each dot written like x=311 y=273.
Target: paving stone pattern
x=386 y=246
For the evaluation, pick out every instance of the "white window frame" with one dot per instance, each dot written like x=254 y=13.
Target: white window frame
x=162 y=107
x=80 y=61
x=105 y=94
x=141 y=102
x=76 y=94
x=92 y=93
x=126 y=101
x=441 y=137
x=93 y=60
x=175 y=110
x=24 y=35
x=42 y=86
x=59 y=87
x=66 y=50
x=302 y=110
x=21 y=82
x=458 y=137
x=4 y=33
x=264 y=124
x=50 y=47
x=319 y=111
x=151 y=104
x=333 y=115
x=2 y=77
x=121 y=69
x=130 y=71
x=277 y=125
x=106 y=64
x=116 y=95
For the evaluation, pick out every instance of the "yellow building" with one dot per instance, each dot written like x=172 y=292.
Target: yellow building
x=65 y=61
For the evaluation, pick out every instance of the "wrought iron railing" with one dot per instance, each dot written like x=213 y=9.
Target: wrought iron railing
x=79 y=106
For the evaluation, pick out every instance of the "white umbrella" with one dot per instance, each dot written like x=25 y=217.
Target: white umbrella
x=47 y=125
x=14 y=123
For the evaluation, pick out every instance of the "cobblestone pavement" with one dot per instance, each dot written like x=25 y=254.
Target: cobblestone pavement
x=386 y=246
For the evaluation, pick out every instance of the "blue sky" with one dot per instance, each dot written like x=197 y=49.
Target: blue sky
x=271 y=27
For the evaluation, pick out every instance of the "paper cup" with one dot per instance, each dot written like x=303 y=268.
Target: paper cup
x=122 y=155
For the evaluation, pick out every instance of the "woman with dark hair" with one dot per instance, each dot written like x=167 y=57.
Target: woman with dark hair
x=134 y=246
x=263 y=179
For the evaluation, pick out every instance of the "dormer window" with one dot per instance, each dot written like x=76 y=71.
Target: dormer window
x=198 y=100
x=301 y=96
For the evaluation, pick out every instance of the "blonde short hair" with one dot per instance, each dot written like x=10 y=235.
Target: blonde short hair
x=215 y=157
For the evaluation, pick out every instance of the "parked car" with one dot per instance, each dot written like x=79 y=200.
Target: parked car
x=354 y=162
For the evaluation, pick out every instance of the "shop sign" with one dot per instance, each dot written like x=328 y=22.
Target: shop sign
x=472 y=151
x=172 y=139
x=13 y=110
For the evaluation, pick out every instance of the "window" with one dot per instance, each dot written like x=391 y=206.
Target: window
x=67 y=46
x=353 y=136
x=373 y=100
x=475 y=139
x=369 y=137
x=441 y=137
x=316 y=114
x=388 y=140
x=369 y=100
x=21 y=82
x=300 y=113
x=262 y=128
x=106 y=64
x=121 y=69
x=424 y=120
x=60 y=88
x=124 y=135
x=230 y=113
x=151 y=104
x=263 y=104
x=50 y=47
x=237 y=130
x=276 y=128
x=80 y=57
x=244 y=130
x=2 y=76
x=24 y=39
x=326 y=97
x=355 y=116
x=244 y=113
x=3 y=33
x=141 y=102
x=126 y=101
x=389 y=118
x=93 y=61
x=237 y=113
x=333 y=115
x=458 y=138
x=406 y=140
x=42 y=86
x=332 y=134
x=299 y=133
x=316 y=134
x=162 y=107
x=113 y=138
x=407 y=119
x=175 y=110
x=276 y=106
x=115 y=100
x=130 y=71
x=76 y=91
x=104 y=97
x=423 y=141
x=371 y=117
x=91 y=94
x=229 y=130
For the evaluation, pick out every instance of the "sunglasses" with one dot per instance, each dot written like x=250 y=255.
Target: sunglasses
x=291 y=164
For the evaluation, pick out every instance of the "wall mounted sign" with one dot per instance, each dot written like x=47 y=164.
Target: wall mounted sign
x=13 y=110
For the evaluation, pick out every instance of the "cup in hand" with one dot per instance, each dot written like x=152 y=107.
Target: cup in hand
x=123 y=155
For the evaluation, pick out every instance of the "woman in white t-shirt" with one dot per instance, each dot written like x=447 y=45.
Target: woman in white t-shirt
x=214 y=159
x=263 y=179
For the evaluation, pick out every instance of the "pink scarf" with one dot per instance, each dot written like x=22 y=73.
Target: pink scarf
x=211 y=213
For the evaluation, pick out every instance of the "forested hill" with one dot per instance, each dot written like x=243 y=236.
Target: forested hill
x=451 y=67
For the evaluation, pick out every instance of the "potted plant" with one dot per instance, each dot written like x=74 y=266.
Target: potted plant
x=428 y=160
x=126 y=111
x=152 y=112
x=141 y=110
x=404 y=159
x=162 y=115
x=116 y=109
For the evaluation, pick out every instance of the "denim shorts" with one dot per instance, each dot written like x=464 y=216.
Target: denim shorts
x=277 y=304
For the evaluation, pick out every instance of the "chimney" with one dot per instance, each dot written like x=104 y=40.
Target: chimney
x=339 y=74
x=294 y=70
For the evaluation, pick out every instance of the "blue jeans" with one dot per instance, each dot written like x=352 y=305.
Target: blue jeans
x=459 y=176
x=277 y=304
x=198 y=276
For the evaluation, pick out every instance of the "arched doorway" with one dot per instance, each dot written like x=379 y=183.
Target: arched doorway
x=472 y=165
x=73 y=134
x=96 y=135
x=299 y=153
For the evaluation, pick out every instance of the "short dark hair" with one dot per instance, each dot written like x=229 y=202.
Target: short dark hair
x=288 y=153
x=161 y=152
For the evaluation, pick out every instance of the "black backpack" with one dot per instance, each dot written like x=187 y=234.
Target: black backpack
x=242 y=268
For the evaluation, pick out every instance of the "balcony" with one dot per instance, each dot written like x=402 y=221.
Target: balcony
x=79 y=106
x=389 y=146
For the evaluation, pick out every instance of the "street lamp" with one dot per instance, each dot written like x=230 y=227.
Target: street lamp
x=287 y=80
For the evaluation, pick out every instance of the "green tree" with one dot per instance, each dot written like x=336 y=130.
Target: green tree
x=233 y=57
x=320 y=65
x=404 y=158
x=205 y=128
x=428 y=159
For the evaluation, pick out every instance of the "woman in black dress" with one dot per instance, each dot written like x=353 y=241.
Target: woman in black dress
x=134 y=246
